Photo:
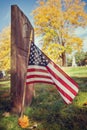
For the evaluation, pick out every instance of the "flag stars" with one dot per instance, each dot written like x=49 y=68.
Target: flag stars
x=37 y=57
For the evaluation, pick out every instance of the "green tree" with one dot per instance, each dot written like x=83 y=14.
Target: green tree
x=81 y=58
x=55 y=21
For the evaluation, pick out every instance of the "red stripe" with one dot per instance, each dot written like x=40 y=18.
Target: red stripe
x=39 y=76
x=64 y=94
x=63 y=73
x=61 y=81
x=30 y=82
x=36 y=70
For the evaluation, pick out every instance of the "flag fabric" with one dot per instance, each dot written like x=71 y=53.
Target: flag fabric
x=42 y=70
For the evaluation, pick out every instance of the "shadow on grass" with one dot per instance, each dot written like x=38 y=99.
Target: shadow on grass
x=2 y=128
x=4 y=105
x=51 y=113
x=57 y=116
x=82 y=82
x=4 y=100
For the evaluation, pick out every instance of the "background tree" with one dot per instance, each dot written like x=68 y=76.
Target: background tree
x=69 y=61
x=80 y=57
x=5 y=49
x=55 y=22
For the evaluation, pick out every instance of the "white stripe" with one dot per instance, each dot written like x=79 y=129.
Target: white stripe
x=39 y=79
x=62 y=87
x=65 y=99
x=38 y=73
x=63 y=77
x=37 y=67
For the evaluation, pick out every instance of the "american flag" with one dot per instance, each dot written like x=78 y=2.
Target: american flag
x=42 y=69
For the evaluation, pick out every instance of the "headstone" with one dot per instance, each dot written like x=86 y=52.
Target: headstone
x=22 y=33
x=74 y=62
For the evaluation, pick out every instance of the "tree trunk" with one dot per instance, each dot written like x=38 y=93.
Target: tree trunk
x=63 y=59
x=63 y=56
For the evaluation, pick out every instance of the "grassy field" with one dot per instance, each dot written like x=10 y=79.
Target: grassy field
x=48 y=110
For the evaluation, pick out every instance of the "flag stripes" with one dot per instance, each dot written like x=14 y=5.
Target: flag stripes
x=58 y=71
x=64 y=85
x=42 y=70
x=38 y=74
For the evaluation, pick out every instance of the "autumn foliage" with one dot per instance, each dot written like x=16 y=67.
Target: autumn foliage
x=55 y=22
x=5 y=47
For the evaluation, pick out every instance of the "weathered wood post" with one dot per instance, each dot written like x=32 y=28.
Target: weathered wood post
x=22 y=33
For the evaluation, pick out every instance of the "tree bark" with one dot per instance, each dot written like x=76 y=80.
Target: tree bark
x=63 y=56
x=63 y=59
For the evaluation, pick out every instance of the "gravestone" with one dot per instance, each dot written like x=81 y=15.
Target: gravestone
x=74 y=62
x=22 y=33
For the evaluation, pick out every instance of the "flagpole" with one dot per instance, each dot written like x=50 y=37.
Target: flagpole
x=23 y=100
x=24 y=88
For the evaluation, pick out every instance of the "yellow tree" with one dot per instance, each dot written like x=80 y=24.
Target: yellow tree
x=55 y=22
x=5 y=49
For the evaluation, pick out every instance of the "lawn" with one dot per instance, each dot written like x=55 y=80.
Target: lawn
x=48 y=111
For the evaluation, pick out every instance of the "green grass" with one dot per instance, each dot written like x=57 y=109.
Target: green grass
x=48 y=110
x=76 y=71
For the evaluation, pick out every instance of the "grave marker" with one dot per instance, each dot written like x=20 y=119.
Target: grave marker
x=22 y=33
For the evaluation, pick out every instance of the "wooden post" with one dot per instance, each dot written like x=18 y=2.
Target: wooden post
x=21 y=32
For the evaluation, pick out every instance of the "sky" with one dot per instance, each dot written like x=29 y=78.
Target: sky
x=27 y=6
x=82 y=32
x=5 y=10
